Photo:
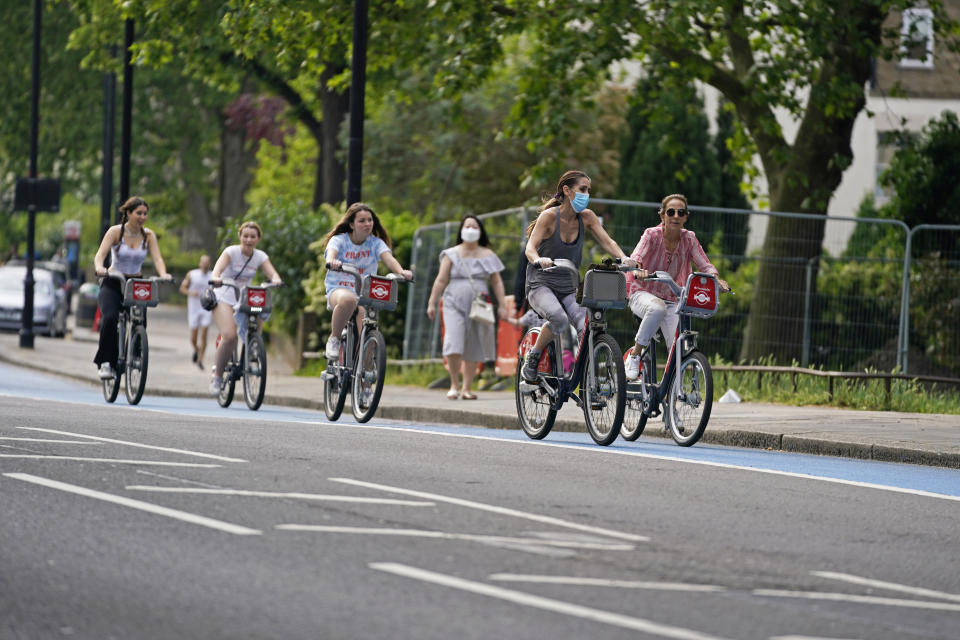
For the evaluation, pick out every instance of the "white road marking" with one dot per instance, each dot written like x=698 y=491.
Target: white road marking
x=136 y=504
x=114 y=460
x=47 y=440
x=807 y=638
x=136 y=444
x=424 y=533
x=547 y=604
x=848 y=597
x=603 y=582
x=893 y=586
x=495 y=509
x=281 y=494
x=651 y=456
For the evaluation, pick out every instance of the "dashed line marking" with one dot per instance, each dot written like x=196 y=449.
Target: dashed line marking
x=127 y=443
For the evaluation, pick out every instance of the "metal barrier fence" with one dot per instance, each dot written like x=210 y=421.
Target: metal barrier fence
x=832 y=292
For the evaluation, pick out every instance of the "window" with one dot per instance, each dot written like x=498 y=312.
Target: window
x=916 y=39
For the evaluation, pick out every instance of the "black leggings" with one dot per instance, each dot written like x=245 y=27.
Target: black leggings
x=110 y=300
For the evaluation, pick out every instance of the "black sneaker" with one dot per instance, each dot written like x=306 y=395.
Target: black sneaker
x=530 y=365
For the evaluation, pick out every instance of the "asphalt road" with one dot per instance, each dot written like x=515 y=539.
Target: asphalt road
x=178 y=519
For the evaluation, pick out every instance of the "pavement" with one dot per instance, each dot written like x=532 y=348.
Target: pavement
x=918 y=438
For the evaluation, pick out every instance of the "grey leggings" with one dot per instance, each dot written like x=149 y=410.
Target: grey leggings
x=559 y=313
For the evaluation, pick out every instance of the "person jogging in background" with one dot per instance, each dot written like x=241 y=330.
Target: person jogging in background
x=198 y=318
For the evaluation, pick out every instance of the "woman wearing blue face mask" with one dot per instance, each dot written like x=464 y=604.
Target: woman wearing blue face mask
x=558 y=232
x=465 y=270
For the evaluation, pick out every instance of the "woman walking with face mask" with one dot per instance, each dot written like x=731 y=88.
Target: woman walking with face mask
x=465 y=270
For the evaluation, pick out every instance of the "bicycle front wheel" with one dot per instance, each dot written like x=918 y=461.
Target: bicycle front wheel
x=690 y=400
x=535 y=408
x=137 y=355
x=254 y=371
x=634 y=414
x=368 y=376
x=111 y=386
x=227 y=389
x=602 y=390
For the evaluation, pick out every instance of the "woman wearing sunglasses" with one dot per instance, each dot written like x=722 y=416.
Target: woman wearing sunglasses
x=671 y=248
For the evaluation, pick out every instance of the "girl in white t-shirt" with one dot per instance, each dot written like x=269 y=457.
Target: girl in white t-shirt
x=360 y=240
x=239 y=262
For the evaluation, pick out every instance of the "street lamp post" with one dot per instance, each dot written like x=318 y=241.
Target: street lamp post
x=358 y=79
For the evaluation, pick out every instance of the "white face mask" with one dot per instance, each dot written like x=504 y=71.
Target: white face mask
x=470 y=234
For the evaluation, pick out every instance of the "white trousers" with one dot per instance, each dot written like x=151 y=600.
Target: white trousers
x=654 y=313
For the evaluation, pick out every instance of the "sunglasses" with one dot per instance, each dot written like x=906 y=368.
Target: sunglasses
x=677 y=212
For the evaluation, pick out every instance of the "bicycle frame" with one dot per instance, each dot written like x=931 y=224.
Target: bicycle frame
x=137 y=295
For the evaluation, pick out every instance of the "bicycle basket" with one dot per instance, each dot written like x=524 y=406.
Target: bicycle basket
x=603 y=289
x=378 y=293
x=140 y=293
x=255 y=300
x=700 y=297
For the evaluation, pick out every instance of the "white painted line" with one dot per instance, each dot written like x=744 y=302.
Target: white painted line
x=495 y=509
x=652 y=456
x=114 y=460
x=807 y=638
x=47 y=440
x=547 y=604
x=136 y=504
x=848 y=597
x=281 y=494
x=603 y=582
x=136 y=444
x=893 y=586
x=424 y=533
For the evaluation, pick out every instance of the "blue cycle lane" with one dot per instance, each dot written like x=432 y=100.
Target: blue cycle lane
x=936 y=482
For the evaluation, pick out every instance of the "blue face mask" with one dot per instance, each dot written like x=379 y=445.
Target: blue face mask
x=580 y=200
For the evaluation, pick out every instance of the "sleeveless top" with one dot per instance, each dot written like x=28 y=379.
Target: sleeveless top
x=554 y=247
x=126 y=260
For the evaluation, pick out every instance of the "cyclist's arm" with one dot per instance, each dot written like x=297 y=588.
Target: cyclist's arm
x=109 y=239
x=271 y=272
x=222 y=263
x=158 y=262
x=330 y=256
x=703 y=264
x=443 y=278
x=394 y=265
x=592 y=223
x=542 y=228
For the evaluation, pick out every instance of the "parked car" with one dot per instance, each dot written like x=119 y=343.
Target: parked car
x=49 y=300
x=61 y=274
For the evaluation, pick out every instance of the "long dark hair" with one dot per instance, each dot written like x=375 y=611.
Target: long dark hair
x=343 y=226
x=568 y=179
x=484 y=240
x=126 y=208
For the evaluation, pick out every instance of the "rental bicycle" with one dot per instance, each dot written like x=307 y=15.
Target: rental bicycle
x=132 y=347
x=362 y=363
x=685 y=391
x=598 y=367
x=249 y=358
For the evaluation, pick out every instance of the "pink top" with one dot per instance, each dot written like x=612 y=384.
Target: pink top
x=651 y=252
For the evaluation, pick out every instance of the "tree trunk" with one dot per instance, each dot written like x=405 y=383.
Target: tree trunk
x=331 y=157
x=238 y=158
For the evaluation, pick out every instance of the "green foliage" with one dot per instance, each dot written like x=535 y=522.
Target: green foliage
x=935 y=310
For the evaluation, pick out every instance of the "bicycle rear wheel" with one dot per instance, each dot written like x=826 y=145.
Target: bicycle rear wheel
x=137 y=357
x=634 y=417
x=535 y=408
x=254 y=371
x=603 y=392
x=690 y=400
x=225 y=397
x=368 y=376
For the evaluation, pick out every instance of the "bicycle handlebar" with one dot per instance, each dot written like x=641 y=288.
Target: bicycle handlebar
x=665 y=278
x=358 y=278
x=230 y=282
x=122 y=278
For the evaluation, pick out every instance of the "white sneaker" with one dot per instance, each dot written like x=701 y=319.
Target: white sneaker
x=215 y=384
x=333 y=348
x=106 y=371
x=631 y=366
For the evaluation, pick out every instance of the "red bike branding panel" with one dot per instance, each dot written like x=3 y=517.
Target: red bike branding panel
x=256 y=297
x=380 y=288
x=702 y=299
x=142 y=291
